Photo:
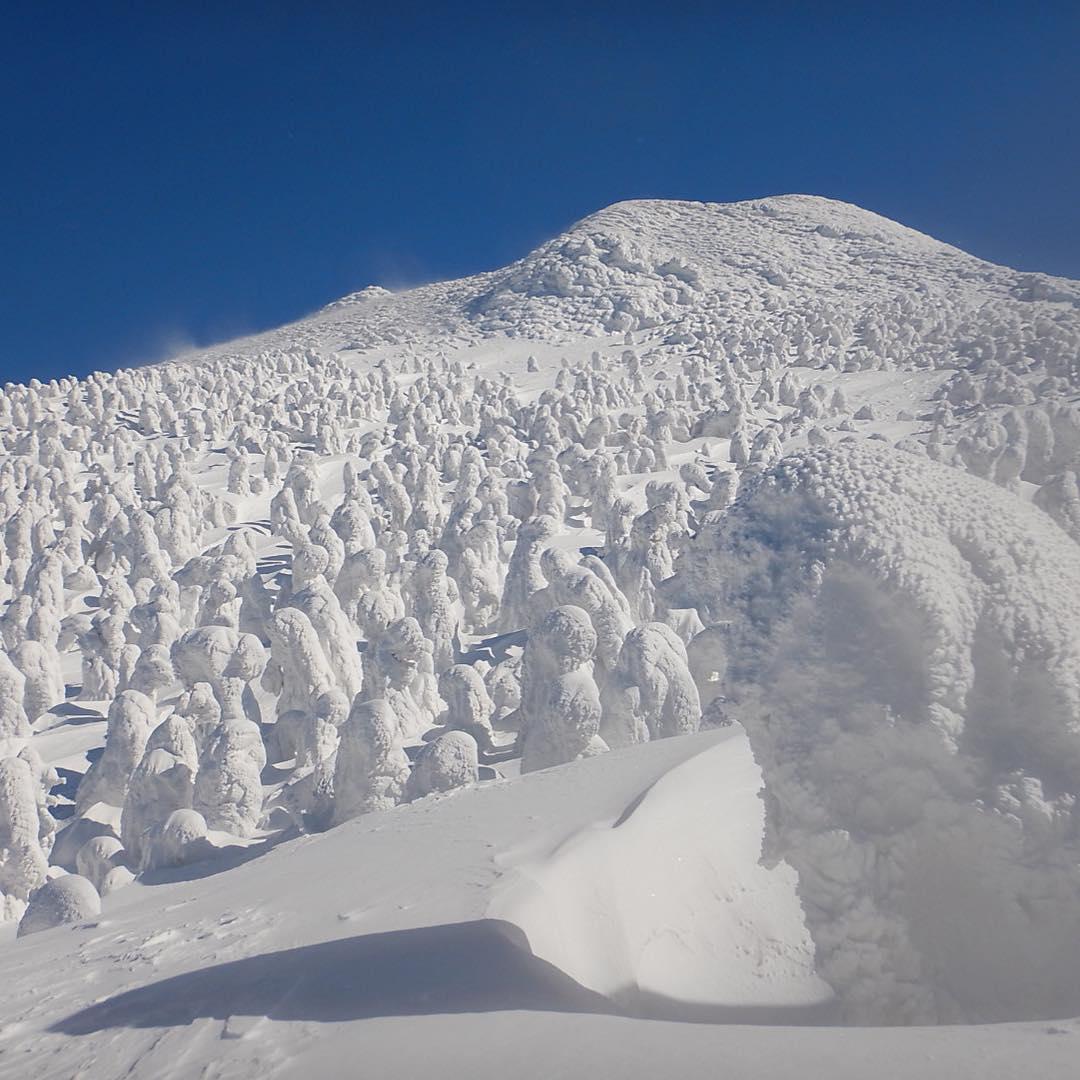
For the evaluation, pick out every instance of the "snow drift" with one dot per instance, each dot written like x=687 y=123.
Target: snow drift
x=657 y=908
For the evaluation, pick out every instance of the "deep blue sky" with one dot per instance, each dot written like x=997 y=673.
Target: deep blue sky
x=178 y=174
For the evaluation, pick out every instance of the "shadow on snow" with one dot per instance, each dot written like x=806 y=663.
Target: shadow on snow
x=482 y=966
x=472 y=967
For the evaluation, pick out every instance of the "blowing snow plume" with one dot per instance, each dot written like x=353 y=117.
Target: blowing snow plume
x=904 y=649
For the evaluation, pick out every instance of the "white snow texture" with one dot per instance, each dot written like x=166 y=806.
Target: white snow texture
x=495 y=603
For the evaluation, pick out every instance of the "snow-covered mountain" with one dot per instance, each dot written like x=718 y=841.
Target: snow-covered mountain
x=788 y=262
x=629 y=660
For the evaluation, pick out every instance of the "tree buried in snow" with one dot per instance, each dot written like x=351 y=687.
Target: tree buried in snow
x=447 y=763
x=67 y=899
x=904 y=650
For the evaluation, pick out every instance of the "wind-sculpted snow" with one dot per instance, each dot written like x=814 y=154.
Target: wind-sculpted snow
x=903 y=644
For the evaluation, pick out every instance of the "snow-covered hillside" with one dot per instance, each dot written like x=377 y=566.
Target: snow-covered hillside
x=660 y=654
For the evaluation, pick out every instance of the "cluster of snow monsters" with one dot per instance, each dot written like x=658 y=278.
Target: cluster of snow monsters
x=304 y=584
x=315 y=664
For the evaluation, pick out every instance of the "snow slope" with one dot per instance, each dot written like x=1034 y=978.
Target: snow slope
x=420 y=910
x=394 y=942
x=887 y=609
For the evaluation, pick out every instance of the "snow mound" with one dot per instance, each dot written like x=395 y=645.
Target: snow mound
x=903 y=645
x=667 y=906
x=67 y=899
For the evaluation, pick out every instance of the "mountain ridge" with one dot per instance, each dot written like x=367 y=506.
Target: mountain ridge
x=669 y=268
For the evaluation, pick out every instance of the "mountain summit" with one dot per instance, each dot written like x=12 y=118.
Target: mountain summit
x=644 y=264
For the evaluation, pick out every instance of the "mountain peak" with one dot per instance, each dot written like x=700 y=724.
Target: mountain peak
x=677 y=265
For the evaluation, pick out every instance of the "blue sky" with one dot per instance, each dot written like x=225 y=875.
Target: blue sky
x=177 y=174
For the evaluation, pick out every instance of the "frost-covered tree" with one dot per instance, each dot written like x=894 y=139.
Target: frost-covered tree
x=447 y=763
x=162 y=782
x=479 y=575
x=131 y=718
x=894 y=628
x=13 y=720
x=298 y=671
x=336 y=635
x=651 y=694
x=308 y=795
x=372 y=768
x=67 y=899
x=403 y=674
x=352 y=521
x=153 y=672
x=228 y=786
x=560 y=701
x=158 y=620
x=99 y=859
x=180 y=839
x=46 y=777
x=524 y=578
x=469 y=707
x=1059 y=497
x=199 y=711
x=23 y=861
x=570 y=583
x=435 y=607
x=224 y=659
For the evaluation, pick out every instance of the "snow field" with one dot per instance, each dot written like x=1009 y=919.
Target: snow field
x=508 y=543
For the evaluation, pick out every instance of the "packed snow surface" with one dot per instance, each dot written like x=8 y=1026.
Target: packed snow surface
x=659 y=655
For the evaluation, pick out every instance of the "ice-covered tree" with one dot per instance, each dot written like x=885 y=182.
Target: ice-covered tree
x=372 y=768
x=560 y=701
x=524 y=578
x=449 y=762
x=651 y=694
x=469 y=707
x=435 y=607
x=23 y=861
x=131 y=718
x=13 y=720
x=228 y=786
x=67 y=899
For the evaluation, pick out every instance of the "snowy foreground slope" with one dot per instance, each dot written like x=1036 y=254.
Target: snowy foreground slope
x=396 y=947
x=659 y=655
